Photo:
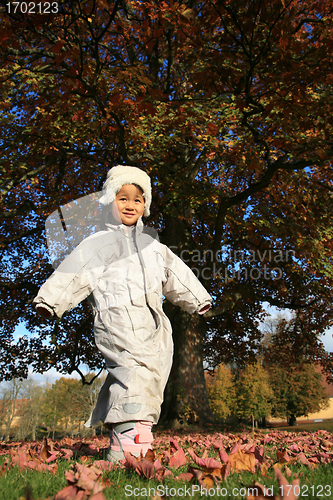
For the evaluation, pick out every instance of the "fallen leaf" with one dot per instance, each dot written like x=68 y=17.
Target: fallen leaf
x=174 y=443
x=45 y=450
x=185 y=476
x=223 y=455
x=162 y=473
x=146 y=469
x=209 y=463
x=150 y=456
x=282 y=456
x=178 y=459
x=302 y=459
x=241 y=461
x=131 y=462
x=207 y=481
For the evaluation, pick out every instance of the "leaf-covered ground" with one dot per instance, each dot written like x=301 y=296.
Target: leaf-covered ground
x=205 y=460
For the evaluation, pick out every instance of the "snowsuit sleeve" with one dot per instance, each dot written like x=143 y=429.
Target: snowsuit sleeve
x=73 y=280
x=182 y=287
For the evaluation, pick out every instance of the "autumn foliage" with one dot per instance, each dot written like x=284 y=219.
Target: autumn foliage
x=227 y=105
x=258 y=392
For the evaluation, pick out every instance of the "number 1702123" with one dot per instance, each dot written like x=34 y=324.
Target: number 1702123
x=32 y=7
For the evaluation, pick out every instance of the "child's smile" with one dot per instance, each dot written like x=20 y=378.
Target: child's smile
x=129 y=205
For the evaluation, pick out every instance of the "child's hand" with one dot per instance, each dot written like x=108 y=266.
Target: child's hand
x=45 y=312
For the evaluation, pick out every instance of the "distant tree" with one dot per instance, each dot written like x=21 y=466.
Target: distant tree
x=49 y=410
x=254 y=393
x=68 y=403
x=290 y=359
x=10 y=394
x=59 y=411
x=30 y=410
x=221 y=392
x=287 y=342
x=85 y=398
x=3 y=411
x=297 y=391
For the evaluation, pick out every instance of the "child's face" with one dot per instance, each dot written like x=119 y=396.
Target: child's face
x=129 y=205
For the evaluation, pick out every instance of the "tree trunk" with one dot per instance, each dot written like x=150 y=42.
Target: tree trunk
x=10 y=417
x=185 y=397
x=292 y=420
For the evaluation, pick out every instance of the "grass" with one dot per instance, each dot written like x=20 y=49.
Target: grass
x=27 y=484
x=311 y=427
x=33 y=485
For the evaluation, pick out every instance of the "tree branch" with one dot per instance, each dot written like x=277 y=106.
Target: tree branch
x=286 y=305
x=14 y=182
x=8 y=241
x=229 y=304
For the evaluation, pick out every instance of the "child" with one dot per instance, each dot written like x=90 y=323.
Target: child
x=126 y=272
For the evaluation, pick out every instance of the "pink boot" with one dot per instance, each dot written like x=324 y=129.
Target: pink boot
x=134 y=437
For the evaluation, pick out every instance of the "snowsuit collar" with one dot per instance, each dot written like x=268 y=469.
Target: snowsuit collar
x=128 y=231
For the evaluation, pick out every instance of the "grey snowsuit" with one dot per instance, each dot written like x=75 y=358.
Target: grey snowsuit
x=126 y=272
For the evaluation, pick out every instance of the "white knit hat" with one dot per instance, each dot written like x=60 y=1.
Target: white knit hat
x=120 y=175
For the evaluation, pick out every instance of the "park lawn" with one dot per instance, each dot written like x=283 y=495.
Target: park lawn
x=310 y=427
x=184 y=464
